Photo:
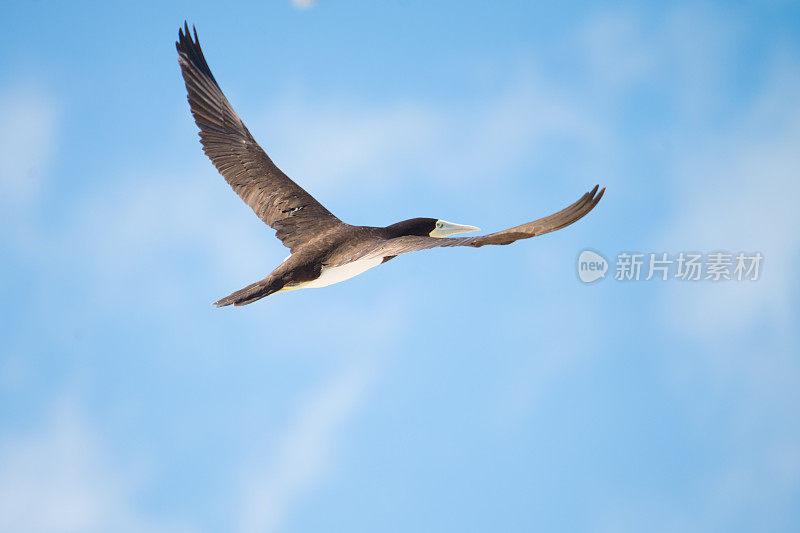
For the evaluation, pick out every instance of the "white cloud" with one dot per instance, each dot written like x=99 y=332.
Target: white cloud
x=517 y=124
x=139 y=222
x=734 y=189
x=338 y=147
x=303 y=4
x=302 y=456
x=738 y=193
x=27 y=141
x=617 y=53
x=58 y=478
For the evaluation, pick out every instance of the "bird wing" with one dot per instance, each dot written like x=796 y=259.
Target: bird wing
x=563 y=218
x=282 y=204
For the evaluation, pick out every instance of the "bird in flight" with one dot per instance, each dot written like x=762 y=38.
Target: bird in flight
x=324 y=250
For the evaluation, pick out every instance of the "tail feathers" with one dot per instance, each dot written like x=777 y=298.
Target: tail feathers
x=251 y=293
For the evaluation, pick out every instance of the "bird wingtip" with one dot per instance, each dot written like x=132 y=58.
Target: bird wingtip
x=601 y=193
x=185 y=35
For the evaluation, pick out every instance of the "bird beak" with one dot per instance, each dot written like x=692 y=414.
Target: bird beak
x=445 y=228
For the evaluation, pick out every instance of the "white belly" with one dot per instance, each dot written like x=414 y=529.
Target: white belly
x=329 y=276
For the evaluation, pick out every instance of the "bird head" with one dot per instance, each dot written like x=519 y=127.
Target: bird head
x=428 y=227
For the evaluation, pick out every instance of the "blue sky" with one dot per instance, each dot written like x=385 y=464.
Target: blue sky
x=451 y=390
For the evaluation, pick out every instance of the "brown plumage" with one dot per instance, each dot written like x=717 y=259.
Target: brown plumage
x=282 y=204
x=320 y=243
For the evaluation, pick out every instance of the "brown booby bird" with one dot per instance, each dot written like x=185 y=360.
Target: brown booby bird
x=324 y=250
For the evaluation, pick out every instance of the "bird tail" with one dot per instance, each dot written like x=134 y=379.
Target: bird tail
x=251 y=293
